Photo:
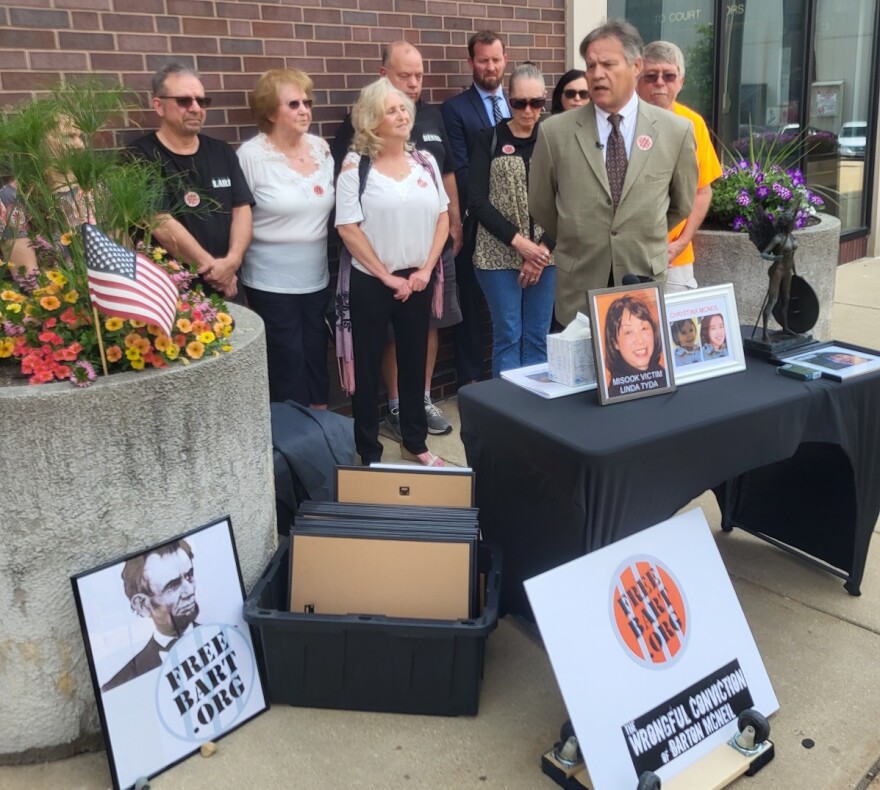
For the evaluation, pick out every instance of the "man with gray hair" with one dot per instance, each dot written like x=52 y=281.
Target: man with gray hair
x=209 y=221
x=610 y=179
x=661 y=81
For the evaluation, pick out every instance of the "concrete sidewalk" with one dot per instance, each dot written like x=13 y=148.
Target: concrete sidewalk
x=821 y=648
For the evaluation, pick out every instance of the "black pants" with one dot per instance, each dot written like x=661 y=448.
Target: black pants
x=296 y=344
x=466 y=334
x=372 y=307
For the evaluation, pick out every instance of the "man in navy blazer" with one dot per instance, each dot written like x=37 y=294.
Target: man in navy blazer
x=479 y=107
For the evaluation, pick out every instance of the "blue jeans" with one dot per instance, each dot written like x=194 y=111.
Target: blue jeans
x=520 y=316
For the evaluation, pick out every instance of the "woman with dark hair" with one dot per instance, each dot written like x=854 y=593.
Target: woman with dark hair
x=570 y=92
x=285 y=273
x=713 y=336
x=512 y=254
x=632 y=345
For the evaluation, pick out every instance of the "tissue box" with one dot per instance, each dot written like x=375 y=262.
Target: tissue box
x=570 y=360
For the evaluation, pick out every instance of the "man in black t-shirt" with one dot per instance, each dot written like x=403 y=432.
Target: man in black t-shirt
x=215 y=230
x=402 y=65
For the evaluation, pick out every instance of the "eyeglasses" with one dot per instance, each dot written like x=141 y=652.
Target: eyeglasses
x=521 y=104
x=295 y=103
x=666 y=76
x=570 y=93
x=185 y=102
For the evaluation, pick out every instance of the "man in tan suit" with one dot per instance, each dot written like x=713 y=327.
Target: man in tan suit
x=571 y=194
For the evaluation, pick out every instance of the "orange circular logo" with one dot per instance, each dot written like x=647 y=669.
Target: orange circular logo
x=649 y=612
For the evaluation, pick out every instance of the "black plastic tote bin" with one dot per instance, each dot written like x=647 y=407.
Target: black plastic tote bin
x=360 y=662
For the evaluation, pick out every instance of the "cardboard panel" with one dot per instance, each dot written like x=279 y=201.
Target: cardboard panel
x=398 y=487
x=396 y=578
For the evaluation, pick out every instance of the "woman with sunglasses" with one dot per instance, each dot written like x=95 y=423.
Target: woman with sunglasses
x=391 y=215
x=512 y=257
x=285 y=273
x=570 y=92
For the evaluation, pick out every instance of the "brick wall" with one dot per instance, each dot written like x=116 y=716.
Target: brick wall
x=338 y=42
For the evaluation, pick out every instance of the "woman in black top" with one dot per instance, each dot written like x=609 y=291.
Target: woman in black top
x=570 y=92
x=512 y=257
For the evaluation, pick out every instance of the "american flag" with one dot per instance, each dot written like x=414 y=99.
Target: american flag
x=127 y=284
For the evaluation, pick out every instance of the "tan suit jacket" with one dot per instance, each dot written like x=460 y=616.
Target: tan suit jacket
x=570 y=197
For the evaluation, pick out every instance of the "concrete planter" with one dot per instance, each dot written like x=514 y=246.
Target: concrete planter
x=90 y=475
x=727 y=257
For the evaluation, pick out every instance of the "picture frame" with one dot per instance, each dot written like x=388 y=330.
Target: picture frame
x=637 y=367
x=836 y=360
x=703 y=360
x=171 y=658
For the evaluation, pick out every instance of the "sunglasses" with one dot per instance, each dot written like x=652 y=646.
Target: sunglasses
x=666 y=76
x=570 y=93
x=521 y=104
x=295 y=103
x=184 y=102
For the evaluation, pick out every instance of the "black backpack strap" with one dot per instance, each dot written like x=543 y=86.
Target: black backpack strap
x=364 y=166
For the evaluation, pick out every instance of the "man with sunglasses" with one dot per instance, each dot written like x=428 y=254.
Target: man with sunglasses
x=661 y=81
x=209 y=221
x=609 y=180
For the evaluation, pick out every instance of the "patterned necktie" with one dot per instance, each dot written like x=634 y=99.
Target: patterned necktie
x=615 y=158
x=497 y=114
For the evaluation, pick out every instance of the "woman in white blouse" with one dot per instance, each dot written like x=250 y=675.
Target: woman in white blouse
x=394 y=228
x=285 y=272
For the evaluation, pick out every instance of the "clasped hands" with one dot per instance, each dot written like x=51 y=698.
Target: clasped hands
x=404 y=288
x=535 y=257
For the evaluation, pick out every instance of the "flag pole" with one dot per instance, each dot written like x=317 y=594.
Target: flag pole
x=100 y=339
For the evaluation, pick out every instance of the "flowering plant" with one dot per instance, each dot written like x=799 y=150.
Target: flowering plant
x=762 y=180
x=59 y=181
x=48 y=326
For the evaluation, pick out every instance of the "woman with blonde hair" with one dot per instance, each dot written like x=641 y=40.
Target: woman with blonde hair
x=285 y=272
x=391 y=215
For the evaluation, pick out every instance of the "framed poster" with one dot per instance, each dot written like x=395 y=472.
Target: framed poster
x=704 y=330
x=170 y=655
x=837 y=361
x=826 y=99
x=630 y=342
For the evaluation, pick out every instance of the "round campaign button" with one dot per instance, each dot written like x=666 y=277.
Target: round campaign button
x=507 y=149
x=192 y=199
x=319 y=190
x=644 y=142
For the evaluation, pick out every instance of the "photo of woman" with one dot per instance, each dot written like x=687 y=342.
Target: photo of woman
x=633 y=346
x=713 y=336
x=684 y=335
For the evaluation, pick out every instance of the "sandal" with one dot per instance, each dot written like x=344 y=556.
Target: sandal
x=426 y=458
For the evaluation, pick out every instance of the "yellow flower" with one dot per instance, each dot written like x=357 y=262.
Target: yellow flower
x=172 y=352
x=184 y=325
x=8 y=296
x=57 y=277
x=227 y=347
x=227 y=331
x=49 y=303
x=14 y=307
x=66 y=239
x=137 y=364
x=71 y=297
x=6 y=346
x=195 y=349
x=132 y=354
x=137 y=324
x=207 y=337
x=112 y=324
x=52 y=289
x=159 y=253
x=224 y=318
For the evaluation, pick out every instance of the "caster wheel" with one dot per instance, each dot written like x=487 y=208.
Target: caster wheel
x=754 y=728
x=566 y=730
x=649 y=781
x=568 y=748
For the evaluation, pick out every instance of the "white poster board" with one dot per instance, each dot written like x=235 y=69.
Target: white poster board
x=652 y=652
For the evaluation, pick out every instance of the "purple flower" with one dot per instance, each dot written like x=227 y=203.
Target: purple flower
x=743 y=198
x=783 y=191
x=816 y=200
x=82 y=373
x=738 y=223
x=762 y=192
x=742 y=164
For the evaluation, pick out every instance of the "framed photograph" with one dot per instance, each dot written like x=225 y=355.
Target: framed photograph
x=170 y=655
x=826 y=99
x=837 y=361
x=704 y=331
x=630 y=342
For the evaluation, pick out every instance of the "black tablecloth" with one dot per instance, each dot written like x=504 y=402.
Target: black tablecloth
x=556 y=479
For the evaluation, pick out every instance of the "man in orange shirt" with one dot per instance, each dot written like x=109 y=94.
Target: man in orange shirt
x=660 y=82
